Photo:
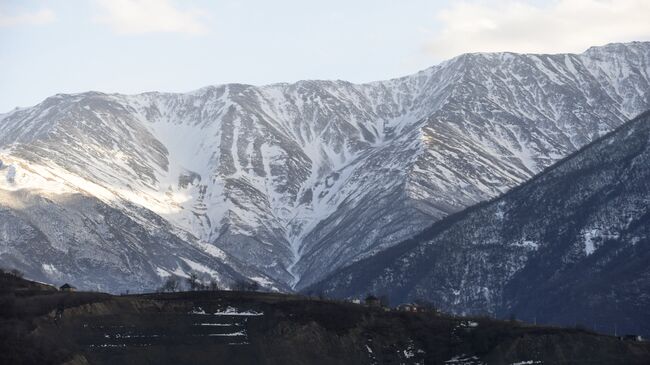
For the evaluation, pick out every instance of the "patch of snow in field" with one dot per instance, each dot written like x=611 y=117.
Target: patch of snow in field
x=234 y=334
x=219 y=324
x=408 y=353
x=371 y=355
x=464 y=359
x=231 y=311
x=119 y=335
x=411 y=350
x=198 y=310
x=468 y=324
x=109 y=345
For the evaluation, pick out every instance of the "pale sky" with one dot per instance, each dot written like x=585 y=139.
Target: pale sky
x=131 y=46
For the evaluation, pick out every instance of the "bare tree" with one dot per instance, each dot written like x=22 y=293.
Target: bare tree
x=17 y=273
x=245 y=285
x=253 y=286
x=384 y=300
x=214 y=285
x=170 y=285
x=193 y=281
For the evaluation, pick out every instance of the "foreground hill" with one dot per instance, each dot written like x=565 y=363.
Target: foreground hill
x=43 y=327
x=570 y=246
x=284 y=183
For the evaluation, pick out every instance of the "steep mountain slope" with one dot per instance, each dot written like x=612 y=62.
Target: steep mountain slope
x=296 y=180
x=78 y=239
x=570 y=246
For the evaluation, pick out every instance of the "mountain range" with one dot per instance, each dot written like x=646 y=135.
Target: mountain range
x=570 y=246
x=284 y=184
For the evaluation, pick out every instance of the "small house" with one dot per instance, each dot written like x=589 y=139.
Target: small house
x=67 y=287
x=373 y=301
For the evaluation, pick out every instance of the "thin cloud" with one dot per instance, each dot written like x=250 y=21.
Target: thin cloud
x=519 y=26
x=150 y=16
x=40 y=17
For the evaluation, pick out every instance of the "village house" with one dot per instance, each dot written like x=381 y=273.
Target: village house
x=67 y=287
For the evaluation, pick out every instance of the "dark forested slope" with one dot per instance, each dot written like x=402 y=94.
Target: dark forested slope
x=570 y=246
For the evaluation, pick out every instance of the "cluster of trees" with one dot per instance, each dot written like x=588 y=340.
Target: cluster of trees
x=13 y=272
x=245 y=285
x=174 y=284
x=193 y=283
x=421 y=304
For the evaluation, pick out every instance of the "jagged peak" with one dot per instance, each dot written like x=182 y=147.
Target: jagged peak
x=616 y=47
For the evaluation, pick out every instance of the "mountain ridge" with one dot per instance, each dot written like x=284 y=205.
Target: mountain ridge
x=567 y=246
x=298 y=179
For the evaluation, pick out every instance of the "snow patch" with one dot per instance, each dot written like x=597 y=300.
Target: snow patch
x=195 y=266
x=162 y=272
x=234 y=334
x=529 y=244
x=465 y=360
x=50 y=270
x=232 y=311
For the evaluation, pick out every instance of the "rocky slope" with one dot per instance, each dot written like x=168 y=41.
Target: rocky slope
x=570 y=246
x=288 y=182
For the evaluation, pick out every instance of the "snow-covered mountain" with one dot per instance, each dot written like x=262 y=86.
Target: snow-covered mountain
x=570 y=246
x=292 y=181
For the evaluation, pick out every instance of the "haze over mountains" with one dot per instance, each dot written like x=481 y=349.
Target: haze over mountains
x=286 y=183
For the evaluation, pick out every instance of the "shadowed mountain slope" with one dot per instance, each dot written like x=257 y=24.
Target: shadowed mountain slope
x=570 y=246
